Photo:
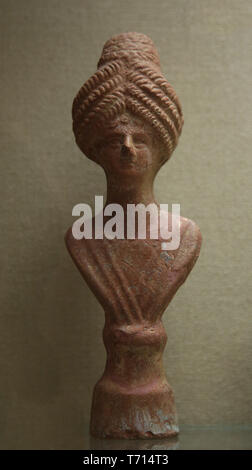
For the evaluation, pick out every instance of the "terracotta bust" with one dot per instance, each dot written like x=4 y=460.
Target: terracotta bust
x=127 y=118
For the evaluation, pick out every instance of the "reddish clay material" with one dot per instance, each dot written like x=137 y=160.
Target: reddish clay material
x=127 y=118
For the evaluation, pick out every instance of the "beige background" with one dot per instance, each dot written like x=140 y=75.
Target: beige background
x=51 y=350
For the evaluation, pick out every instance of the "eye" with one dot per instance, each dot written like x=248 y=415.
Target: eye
x=140 y=141
x=115 y=142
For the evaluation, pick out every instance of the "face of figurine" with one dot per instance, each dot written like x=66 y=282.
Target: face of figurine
x=127 y=147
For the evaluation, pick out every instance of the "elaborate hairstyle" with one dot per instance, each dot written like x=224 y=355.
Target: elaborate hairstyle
x=129 y=79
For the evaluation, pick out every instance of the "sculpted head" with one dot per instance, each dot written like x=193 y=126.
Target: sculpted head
x=127 y=117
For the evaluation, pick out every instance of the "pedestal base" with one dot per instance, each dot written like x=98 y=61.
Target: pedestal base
x=144 y=413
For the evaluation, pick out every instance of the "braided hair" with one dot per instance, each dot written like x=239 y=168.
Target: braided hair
x=128 y=78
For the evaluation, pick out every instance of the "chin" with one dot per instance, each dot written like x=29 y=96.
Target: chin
x=131 y=172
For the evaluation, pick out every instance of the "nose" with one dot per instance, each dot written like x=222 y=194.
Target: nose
x=127 y=146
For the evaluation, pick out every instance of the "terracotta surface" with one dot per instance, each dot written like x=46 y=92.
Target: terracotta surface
x=128 y=119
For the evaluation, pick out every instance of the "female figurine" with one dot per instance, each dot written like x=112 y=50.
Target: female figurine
x=127 y=118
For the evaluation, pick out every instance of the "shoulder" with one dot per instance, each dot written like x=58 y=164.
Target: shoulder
x=81 y=250
x=75 y=247
x=190 y=231
x=190 y=244
x=73 y=241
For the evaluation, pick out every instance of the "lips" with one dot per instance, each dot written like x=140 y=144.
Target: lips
x=129 y=160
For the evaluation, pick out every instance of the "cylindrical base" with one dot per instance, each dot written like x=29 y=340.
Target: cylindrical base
x=141 y=414
x=133 y=399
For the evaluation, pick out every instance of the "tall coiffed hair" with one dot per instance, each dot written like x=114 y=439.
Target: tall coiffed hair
x=128 y=78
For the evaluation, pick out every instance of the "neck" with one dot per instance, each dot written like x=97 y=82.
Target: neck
x=129 y=192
